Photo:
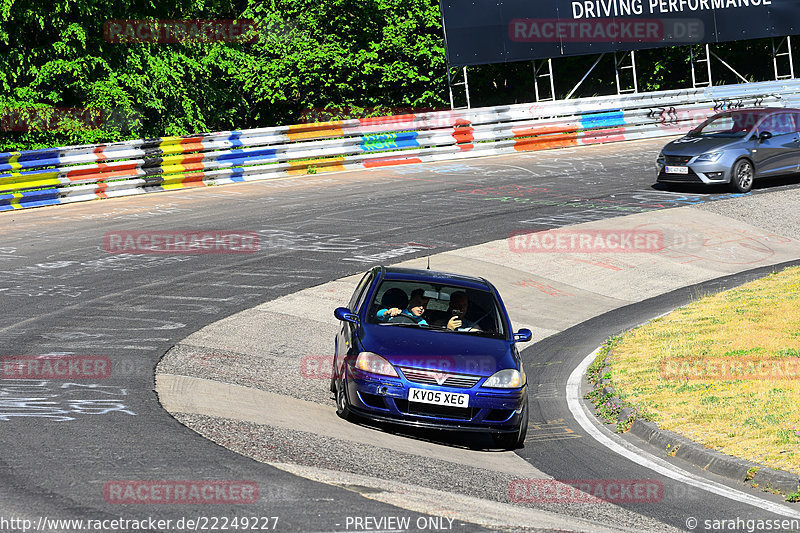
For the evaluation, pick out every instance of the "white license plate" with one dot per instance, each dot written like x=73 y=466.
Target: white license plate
x=676 y=170
x=436 y=397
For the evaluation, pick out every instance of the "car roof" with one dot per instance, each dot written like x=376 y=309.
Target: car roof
x=436 y=277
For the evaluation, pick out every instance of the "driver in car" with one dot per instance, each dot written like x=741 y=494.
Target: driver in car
x=416 y=308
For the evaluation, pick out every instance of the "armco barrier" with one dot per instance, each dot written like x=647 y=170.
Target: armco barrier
x=50 y=176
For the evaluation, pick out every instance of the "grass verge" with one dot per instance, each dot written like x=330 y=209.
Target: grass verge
x=723 y=371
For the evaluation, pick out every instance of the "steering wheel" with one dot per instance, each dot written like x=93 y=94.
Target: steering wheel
x=402 y=319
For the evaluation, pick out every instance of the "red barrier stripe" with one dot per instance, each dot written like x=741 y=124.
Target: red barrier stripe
x=394 y=119
x=389 y=162
x=82 y=173
x=192 y=158
x=100 y=192
x=463 y=135
x=195 y=180
x=545 y=130
x=603 y=136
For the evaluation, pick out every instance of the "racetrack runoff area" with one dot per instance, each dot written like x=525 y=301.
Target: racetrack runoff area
x=548 y=288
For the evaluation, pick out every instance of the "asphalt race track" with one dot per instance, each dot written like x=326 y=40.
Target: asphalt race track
x=64 y=442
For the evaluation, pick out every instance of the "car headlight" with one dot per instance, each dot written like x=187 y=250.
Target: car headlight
x=506 y=379
x=375 y=364
x=711 y=157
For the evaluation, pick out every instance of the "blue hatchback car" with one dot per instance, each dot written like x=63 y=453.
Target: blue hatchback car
x=432 y=350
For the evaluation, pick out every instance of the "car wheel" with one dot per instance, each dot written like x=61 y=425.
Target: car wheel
x=742 y=176
x=512 y=441
x=342 y=405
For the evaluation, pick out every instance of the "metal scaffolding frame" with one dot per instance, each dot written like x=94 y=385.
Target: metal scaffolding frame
x=548 y=74
x=776 y=53
x=701 y=57
x=618 y=66
x=465 y=83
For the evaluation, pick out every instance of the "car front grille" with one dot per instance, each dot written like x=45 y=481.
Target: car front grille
x=677 y=159
x=429 y=377
x=439 y=411
x=691 y=177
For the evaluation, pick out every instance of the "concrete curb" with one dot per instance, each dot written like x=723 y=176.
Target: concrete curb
x=707 y=459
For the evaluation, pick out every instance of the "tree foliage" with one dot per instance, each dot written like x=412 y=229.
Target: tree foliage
x=346 y=56
x=340 y=54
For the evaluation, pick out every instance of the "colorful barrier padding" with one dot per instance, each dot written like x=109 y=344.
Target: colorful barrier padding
x=51 y=176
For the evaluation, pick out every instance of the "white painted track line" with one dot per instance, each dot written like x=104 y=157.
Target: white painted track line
x=629 y=451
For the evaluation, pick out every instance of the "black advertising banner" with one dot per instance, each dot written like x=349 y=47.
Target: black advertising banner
x=497 y=31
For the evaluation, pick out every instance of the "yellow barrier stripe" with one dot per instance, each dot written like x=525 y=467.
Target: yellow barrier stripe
x=15 y=203
x=13 y=161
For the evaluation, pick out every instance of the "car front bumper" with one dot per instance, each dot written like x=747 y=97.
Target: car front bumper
x=385 y=399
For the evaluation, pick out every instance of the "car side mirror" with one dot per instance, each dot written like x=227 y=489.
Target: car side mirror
x=343 y=313
x=523 y=335
x=764 y=135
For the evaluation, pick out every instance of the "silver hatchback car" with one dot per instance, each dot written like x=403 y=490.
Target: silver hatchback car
x=735 y=147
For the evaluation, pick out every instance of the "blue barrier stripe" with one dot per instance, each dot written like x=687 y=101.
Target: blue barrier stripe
x=610 y=119
x=244 y=155
x=16 y=196
x=389 y=141
x=237 y=174
x=30 y=155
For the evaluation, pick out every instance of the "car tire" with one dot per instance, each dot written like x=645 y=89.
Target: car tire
x=342 y=404
x=512 y=441
x=333 y=377
x=742 y=175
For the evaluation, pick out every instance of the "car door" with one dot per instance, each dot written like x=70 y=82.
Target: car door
x=779 y=154
x=347 y=331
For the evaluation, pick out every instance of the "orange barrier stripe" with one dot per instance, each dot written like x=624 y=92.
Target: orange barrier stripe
x=320 y=165
x=298 y=132
x=543 y=143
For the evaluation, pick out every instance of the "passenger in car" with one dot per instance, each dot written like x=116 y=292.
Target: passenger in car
x=416 y=308
x=460 y=318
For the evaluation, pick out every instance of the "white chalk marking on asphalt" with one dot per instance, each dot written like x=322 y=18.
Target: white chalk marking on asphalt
x=647 y=460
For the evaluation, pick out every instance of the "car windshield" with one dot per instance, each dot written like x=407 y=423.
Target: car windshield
x=733 y=124
x=437 y=307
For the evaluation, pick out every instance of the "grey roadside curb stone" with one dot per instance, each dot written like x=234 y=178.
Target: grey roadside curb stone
x=707 y=459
